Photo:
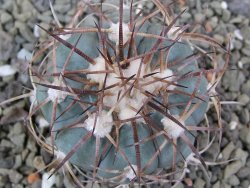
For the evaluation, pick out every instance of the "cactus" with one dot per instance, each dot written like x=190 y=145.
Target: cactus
x=124 y=94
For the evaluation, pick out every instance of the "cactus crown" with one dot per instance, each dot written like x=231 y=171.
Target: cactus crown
x=124 y=94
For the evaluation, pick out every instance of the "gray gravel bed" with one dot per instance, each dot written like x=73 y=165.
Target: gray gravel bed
x=20 y=156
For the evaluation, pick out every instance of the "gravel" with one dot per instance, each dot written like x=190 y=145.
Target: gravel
x=226 y=152
x=240 y=8
x=245 y=135
x=7 y=71
x=6 y=46
x=24 y=54
x=20 y=156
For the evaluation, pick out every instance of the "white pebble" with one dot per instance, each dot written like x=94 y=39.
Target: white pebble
x=232 y=44
x=220 y=156
x=238 y=35
x=224 y=5
x=36 y=31
x=7 y=70
x=24 y=54
x=240 y=64
x=233 y=125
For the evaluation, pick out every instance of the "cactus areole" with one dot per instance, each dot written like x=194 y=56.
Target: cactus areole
x=121 y=94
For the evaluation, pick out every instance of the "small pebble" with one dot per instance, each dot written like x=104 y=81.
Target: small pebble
x=14 y=176
x=38 y=163
x=199 y=183
x=244 y=172
x=36 y=31
x=226 y=15
x=238 y=35
x=5 y=17
x=226 y=152
x=233 y=180
x=7 y=70
x=24 y=54
x=224 y=5
x=245 y=135
x=32 y=178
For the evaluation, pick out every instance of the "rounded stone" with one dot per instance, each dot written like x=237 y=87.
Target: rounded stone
x=243 y=99
x=214 y=21
x=245 y=135
x=209 y=12
x=244 y=172
x=5 y=17
x=226 y=15
x=234 y=180
x=245 y=116
x=199 y=17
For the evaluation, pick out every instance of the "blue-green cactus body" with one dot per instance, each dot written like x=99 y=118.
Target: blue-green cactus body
x=84 y=157
x=115 y=161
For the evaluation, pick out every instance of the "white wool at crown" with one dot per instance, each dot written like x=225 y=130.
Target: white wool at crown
x=168 y=75
x=131 y=108
x=126 y=113
x=133 y=68
x=127 y=107
x=114 y=35
x=99 y=66
x=104 y=123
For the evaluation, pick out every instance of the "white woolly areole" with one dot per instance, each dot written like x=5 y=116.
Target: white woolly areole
x=129 y=173
x=47 y=181
x=128 y=106
x=112 y=79
x=99 y=66
x=173 y=129
x=32 y=98
x=54 y=94
x=60 y=155
x=114 y=35
x=134 y=67
x=174 y=32
x=104 y=123
x=165 y=73
x=168 y=75
x=126 y=113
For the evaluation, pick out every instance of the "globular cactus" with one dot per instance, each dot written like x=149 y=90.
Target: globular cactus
x=124 y=93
